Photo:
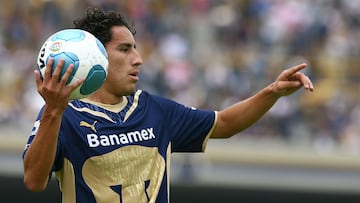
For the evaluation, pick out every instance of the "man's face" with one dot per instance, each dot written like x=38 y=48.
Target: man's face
x=124 y=60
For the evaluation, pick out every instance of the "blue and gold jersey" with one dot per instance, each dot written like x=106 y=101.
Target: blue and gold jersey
x=120 y=153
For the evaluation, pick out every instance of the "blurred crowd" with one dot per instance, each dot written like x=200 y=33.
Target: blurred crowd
x=210 y=54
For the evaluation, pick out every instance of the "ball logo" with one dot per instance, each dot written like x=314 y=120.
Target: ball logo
x=41 y=61
x=56 y=46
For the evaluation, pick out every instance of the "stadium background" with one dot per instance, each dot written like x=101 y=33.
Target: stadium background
x=209 y=54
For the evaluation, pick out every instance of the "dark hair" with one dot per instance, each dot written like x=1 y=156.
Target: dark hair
x=99 y=23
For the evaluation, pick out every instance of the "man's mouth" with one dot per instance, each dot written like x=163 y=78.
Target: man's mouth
x=134 y=75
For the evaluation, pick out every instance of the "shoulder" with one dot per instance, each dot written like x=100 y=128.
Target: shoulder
x=143 y=95
x=164 y=102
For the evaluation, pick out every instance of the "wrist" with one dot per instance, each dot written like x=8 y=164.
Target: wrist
x=52 y=111
x=271 y=90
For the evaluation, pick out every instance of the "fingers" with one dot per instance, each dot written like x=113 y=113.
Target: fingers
x=293 y=74
x=290 y=80
x=48 y=70
x=66 y=75
x=54 y=79
x=305 y=80
x=38 y=79
x=295 y=69
x=77 y=83
x=56 y=73
x=63 y=81
x=286 y=85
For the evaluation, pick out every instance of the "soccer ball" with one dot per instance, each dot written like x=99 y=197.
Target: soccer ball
x=82 y=49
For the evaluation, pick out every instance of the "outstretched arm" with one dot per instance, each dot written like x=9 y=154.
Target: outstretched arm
x=243 y=114
x=40 y=156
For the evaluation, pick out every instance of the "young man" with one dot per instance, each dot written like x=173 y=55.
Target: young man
x=114 y=146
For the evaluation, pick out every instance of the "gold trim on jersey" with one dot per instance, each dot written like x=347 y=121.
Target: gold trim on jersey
x=116 y=108
x=96 y=113
x=110 y=107
x=168 y=161
x=210 y=132
x=66 y=178
x=134 y=105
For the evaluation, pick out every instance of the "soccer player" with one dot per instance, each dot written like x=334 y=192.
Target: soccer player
x=114 y=146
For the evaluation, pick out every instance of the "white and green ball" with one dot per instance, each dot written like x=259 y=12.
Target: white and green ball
x=82 y=49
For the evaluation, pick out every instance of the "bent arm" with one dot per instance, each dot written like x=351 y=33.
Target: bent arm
x=40 y=156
